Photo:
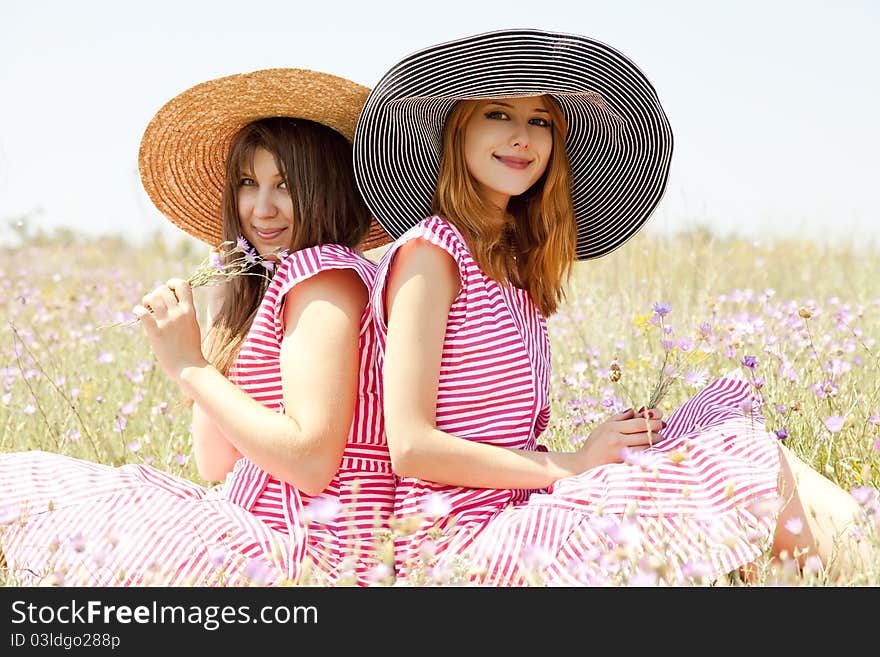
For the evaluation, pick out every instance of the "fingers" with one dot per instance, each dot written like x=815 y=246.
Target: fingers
x=625 y=415
x=649 y=413
x=640 y=425
x=175 y=292
x=181 y=290
x=144 y=314
x=168 y=297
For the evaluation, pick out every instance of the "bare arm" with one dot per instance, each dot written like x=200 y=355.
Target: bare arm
x=215 y=455
x=422 y=285
x=319 y=369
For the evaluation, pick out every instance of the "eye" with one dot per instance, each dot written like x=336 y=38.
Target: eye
x=282 y=184
x=497 y=115
x=543 y=123
x=244 y=181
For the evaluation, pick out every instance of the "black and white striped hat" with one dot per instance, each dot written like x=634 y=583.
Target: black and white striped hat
x=619 y=141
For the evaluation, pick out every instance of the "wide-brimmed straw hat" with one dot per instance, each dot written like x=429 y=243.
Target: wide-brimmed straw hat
x=182 y=158
x=619 y=140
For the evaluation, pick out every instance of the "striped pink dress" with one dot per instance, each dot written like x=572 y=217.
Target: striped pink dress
x=78 y=523
x=699 y=504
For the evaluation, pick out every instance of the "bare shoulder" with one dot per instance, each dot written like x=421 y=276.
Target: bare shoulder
x=342 y=288
x=420 y=257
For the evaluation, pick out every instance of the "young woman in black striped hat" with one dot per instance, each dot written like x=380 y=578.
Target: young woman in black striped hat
x=496 y=161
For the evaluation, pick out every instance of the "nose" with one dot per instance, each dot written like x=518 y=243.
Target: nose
x=265 y=205
x=519 y=137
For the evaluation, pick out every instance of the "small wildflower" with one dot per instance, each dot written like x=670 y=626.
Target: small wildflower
x=379 y=573
x=863 y=494
x=813 y=565
x=436 y=505
x=834 y=423
x=782 y=433
x=535 y=557
x=795 y=526
x=662 y=309
x=257 y=572
x=750 y=361
x=323 y=509
x=217 y=557
x=804 y=312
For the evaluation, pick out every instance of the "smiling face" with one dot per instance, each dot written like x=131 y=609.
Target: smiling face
x=265 y=208
x=507 y=145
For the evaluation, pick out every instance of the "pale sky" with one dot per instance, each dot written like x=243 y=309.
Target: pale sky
x=775 y=105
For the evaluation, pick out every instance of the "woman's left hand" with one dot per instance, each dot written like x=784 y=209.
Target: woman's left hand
x=169 y=318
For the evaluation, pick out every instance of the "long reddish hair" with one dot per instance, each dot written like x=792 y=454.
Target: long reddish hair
x=538 y=249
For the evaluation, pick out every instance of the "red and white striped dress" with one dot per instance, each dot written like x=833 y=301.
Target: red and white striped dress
x=699 y=504
x=79 y=523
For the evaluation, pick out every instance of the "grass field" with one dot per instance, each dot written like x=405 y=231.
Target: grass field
x=803 y=319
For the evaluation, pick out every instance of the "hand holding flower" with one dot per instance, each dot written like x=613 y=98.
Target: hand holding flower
x=169 y=318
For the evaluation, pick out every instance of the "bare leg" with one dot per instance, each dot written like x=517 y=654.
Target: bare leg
x=827 y=515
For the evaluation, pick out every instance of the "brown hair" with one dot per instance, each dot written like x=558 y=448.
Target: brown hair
x=539 y=248
x=316 y=162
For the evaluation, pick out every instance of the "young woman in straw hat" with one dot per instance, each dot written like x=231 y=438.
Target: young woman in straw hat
x=285 y=409
x=528 y=150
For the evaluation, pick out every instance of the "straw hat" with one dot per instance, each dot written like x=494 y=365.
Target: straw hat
x=619 y=141
x=182 y=157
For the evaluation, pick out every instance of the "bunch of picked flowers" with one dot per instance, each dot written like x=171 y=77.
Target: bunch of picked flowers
x=225 y=262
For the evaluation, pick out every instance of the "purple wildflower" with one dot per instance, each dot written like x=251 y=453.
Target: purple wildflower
x=750 y=361
x=795 y=526
x=662 y=308
x=535 y=557
x=863 y=494
x=257 y=572
x=379 y=573
x=834 y=423
x=782 y=433
x=436 y=505
x=323 y=509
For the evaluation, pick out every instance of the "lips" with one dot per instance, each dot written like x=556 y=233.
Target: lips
x=513 y=162
x=265 y=234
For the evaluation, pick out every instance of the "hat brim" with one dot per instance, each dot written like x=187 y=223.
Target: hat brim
x=182 y=157
x=619 y=141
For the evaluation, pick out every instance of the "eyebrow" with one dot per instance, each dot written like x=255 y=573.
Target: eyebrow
x=508 y=105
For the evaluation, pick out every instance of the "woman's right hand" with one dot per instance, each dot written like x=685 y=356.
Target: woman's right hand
x=610 y=441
